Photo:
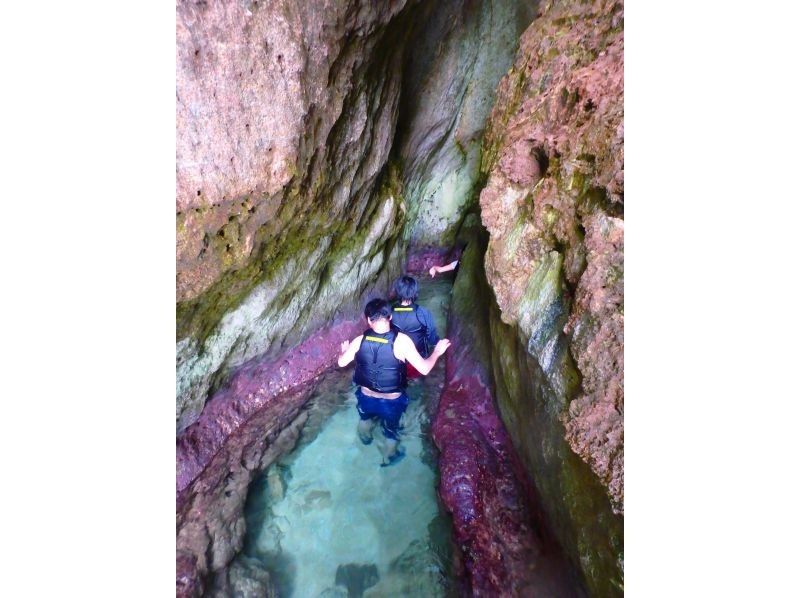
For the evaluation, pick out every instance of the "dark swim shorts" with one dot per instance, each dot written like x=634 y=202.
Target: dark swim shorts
x=389 y=411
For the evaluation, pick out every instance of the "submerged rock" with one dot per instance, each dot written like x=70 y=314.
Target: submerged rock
x=414 y=573
x=357 y=578
x=245 y=578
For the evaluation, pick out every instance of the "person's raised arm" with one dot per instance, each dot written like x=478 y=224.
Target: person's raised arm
x=349 y=350
x=405 y=349
x=439 y=269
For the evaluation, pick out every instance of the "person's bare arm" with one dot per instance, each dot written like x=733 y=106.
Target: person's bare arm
x=439 y=269
x=349 y=350
x=404 y=349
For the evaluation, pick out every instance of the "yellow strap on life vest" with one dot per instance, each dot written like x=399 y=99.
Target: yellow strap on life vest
x=376 y=339
x=403 y=309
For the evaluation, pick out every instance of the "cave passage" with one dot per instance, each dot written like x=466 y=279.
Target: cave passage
x=326 y=514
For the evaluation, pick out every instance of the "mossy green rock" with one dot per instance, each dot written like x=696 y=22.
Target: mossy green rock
x=288 y=209
x=531 y=401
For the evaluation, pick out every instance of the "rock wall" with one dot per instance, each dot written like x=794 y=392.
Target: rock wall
x=553 y=206
x=315 y=142
x=458 y=52
x=247 y=424
x=504 y=540
x=287 y=206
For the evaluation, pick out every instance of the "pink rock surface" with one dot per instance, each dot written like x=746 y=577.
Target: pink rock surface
x=421 y=260
x=505 y=550
x=595 y=423
x=244 y=427
x=255 y=386
x=555 y=167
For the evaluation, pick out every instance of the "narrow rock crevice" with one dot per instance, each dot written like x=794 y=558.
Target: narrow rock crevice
x=322 y=151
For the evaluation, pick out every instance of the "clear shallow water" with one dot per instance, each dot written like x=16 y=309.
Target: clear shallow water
x=327 y=520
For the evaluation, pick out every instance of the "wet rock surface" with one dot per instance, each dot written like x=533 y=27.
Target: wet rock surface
x=574 y=502
x=553 y=206
x=506 y=549
x=246 y=426
x=458 y=52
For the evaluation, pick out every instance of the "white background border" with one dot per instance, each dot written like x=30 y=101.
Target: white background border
x=87 y=245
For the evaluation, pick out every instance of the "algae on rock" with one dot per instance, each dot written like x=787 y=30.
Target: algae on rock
x=287 y=209
x=531 y=402
x=552 y=204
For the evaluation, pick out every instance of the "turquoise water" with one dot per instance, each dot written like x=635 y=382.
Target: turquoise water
x=327 y=520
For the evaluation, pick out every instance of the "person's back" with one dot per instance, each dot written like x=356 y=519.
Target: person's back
x=381 y=355
x=411 y=318
x=377 y=367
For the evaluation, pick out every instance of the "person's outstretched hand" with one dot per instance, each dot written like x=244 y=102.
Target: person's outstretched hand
x=433 y=271
x=441 y=347
x=345 y=345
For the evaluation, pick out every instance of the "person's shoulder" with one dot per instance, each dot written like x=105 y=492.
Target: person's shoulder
x=403 y=339
x=424 y=311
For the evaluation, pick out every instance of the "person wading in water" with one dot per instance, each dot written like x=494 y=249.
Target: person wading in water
x=381 y=354
x=413 y=319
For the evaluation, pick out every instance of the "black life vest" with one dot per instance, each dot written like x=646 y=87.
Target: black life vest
x=376 y=366
x=405 y=319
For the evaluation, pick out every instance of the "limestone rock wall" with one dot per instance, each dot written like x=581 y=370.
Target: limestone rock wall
x=458 y=52
x=504 y=538
x=315 y=142
x=553 y=206
x=287 y=207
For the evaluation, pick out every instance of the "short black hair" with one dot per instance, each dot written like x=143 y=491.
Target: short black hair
x=378 y=309
x=406 y=288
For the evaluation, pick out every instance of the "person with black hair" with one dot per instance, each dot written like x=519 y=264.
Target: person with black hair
x=413 y=319
x=381 y=354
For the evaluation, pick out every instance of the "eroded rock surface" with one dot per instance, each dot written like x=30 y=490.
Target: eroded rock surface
x=286 y=207
x=248 y=424
x=553 y=207
x=458 y=52
x=506 y=549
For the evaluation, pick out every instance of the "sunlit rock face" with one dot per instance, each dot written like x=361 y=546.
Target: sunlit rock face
x=553 y=207
x=286 y=207
x=459 y=50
